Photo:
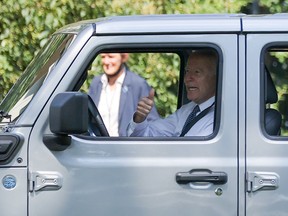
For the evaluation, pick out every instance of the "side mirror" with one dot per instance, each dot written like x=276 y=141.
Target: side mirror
x=69 y=113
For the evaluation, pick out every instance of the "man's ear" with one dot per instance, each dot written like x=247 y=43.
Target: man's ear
x=125 y=57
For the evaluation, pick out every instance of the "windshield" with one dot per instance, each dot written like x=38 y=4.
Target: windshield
x=33 y=77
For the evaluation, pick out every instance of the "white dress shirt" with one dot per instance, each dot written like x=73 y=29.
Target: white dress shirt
x=109 y=104
x=173 y=124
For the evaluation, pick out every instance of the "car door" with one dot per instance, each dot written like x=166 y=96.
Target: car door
x=137 y=175
x=266 y=155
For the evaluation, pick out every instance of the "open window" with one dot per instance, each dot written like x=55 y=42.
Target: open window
x=163 y=70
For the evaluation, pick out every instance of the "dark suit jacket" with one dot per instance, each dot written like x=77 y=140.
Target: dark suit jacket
x=133 y=89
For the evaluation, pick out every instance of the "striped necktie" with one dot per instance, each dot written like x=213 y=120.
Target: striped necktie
x=191 y=116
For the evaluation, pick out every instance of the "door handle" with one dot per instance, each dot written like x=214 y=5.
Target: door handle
x=201 y=176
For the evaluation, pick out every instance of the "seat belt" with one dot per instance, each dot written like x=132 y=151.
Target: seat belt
x=197 y=118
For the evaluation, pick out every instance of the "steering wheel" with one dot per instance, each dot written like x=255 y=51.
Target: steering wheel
x=96 y=123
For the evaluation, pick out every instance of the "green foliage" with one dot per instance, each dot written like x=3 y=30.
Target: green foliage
x=162 y=73
x=275 y=6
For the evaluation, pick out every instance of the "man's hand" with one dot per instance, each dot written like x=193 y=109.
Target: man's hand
x=144 y=107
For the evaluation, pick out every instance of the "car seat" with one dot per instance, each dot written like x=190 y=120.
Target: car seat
x=273 y=118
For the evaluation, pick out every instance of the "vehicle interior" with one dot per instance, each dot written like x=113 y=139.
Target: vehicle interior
x=163 y=69
x=275 y=63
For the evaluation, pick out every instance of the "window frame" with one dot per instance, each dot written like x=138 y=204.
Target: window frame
x=169 y=48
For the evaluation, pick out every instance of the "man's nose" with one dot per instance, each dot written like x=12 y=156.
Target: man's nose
x=189 y=76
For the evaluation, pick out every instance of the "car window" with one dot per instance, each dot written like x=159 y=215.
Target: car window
x=34 y=76
x=163 y=71
x=276 y=97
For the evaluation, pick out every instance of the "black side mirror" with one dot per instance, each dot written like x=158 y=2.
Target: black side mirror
x=69 y=113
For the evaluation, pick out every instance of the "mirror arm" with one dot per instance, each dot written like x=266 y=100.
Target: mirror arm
x=56 y=142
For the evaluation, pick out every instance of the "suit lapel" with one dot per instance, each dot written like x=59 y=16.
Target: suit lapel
x=124 y=95
x=98 y=93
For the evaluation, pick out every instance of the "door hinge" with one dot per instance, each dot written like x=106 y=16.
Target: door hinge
x=44 y=181
x=262 y=180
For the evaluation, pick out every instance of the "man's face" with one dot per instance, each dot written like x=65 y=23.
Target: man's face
x=112 y=62
x=200 y=78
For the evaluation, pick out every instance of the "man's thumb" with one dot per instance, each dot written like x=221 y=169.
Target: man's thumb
x=151 y=94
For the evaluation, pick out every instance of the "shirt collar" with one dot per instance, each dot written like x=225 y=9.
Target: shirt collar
x=207 y=103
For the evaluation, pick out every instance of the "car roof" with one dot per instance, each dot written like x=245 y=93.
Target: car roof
x=163 y=24
x=265 y=23
x=184 y=23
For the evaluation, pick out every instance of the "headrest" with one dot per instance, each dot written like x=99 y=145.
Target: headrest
x=273 y=120
x=271 y=95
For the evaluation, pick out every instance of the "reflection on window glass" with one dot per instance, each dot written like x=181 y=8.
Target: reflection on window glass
x=33 y=77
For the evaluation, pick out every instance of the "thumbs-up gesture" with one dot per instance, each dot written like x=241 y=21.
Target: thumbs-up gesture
x=144 y=107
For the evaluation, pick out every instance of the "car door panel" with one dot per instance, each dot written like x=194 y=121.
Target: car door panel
x=130 y=176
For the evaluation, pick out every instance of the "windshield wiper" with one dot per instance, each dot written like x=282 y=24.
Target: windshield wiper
x=5 y=115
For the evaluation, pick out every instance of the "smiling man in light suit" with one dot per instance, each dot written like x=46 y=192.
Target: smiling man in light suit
x=195 y=118
x=117 y=92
